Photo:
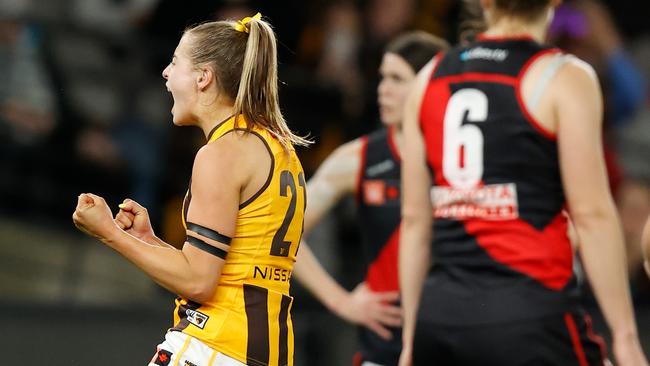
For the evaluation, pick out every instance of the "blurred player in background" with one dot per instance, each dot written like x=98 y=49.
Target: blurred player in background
x=645 y=246
x=369 y=168
x=243 y=211
x=503 y=135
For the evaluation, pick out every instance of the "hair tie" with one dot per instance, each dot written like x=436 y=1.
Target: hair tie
x=241 y=25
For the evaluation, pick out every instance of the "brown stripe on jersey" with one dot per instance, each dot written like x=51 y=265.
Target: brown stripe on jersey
x=257 y=313
x=283 y=337
x=214 y=129
x=182 y=314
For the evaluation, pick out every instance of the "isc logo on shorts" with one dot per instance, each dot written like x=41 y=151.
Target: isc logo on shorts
x=197 y=318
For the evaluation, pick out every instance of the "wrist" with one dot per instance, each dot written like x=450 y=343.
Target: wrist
x=408 y=329
x=112 y=236
x=625 y=335
x=407 y=339
x=149 y=238
x=338 y=302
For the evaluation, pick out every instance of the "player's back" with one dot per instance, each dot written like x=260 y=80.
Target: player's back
x=499 y=228
x=248 y=318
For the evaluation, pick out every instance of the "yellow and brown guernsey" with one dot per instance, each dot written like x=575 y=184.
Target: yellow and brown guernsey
x=248 y=318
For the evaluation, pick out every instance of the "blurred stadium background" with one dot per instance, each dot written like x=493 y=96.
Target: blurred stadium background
x=83 y=108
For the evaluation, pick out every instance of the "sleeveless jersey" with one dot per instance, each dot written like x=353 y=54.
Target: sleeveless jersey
x=500 y=245
x=378 y=198
x=248 y=318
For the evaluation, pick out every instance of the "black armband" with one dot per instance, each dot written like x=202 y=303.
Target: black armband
x=209 y=233
x=218 y=252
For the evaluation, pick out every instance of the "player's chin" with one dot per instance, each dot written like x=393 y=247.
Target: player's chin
x=389 y=119
x=179 y=118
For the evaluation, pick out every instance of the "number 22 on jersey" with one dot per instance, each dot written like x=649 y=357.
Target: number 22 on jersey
x=280 y=247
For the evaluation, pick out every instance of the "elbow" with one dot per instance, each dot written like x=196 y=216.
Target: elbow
x=593 y=216
x=201 y=292
x=416 y=230
x=416 y=219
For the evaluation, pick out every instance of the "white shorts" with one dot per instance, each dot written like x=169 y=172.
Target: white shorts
x=180 y=349
x=368 y=363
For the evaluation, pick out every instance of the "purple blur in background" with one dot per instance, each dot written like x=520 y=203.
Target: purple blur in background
x=568 y=21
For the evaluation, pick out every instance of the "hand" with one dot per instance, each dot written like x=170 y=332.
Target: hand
x=134 y=219
x=372 y=310
x=406 y=357
x=93 y=217
x=628 y=352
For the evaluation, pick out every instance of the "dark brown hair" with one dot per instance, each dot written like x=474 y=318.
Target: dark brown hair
x=246 y=68
x=472 y=22
x=529 y=9
x=416 y=48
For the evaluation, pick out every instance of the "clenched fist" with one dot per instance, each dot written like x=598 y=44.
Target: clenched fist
x=134 y=219
x=93 y=216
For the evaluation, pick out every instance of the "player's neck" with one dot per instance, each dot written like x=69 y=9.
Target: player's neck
x=507 y=27
x=210 y=118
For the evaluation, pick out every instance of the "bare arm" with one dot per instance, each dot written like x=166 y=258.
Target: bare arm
x=336 y=177
x=361 y=306
x=579 y=113
x=191 y=272
x=311 y=274
x=415 y=235
x=645 y=246
x=154 y=240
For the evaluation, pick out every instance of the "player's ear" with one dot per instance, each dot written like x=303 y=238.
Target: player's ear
x=204 y=78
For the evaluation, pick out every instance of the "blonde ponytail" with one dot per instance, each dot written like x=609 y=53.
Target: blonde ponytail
x=244 y=57
x=257 y=97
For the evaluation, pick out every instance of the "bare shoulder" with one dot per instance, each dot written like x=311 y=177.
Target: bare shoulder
x=236 y=154
x=337 y=175
x=236 y=145
x=576 y=64
x=344 y=160
x=575 y=74
x=575 y=87
x=577 y=100
x=350 y=149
